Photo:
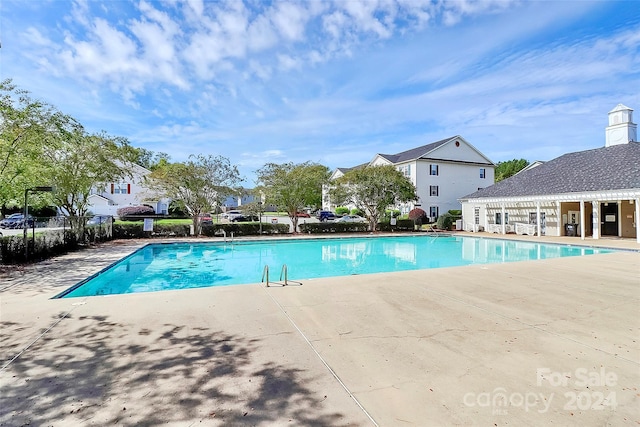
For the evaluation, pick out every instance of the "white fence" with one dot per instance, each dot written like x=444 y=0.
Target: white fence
x=528 y=229
x=497 y=228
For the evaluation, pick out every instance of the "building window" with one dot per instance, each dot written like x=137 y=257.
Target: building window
x=499 y=218
x=120 y=188
x=483 y=173
x=433 y=212
x=434 y=170
x=405 y=170
x=476 y=215
x=433 y=190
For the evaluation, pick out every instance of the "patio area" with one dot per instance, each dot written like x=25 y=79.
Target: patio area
x=527 y=343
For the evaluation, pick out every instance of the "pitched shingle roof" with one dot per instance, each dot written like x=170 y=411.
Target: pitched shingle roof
x=609 y=168
x=415 y=153
x=345 y=170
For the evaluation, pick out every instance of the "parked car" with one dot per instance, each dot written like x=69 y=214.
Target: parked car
x=6 y=222
x=16 y=220
x=302 y=215
x=206 y=219
x=98 y=219
x=246 y=218
x=325 y=215
x=231 y=215
x=352 y=218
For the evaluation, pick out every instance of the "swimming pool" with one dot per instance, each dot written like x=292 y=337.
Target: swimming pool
x=164 y=266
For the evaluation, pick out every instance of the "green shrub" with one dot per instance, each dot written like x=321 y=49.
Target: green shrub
x=134 y=230
x=445 y=221
x=356 y=211
x=334 y=227
x=401 y=225
x=243 y=229
x=342 y=210
x=46 y=244
x=390 y=213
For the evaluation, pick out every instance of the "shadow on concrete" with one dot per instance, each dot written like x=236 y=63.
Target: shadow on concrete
x=90 y=370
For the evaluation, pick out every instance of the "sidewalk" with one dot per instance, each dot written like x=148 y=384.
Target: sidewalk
x=428 y=347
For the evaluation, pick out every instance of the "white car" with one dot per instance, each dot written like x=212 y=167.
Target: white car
x=231 y=215
x=352 y=218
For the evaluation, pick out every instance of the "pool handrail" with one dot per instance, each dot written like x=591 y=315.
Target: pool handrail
x=284 y=271
x=265 y=272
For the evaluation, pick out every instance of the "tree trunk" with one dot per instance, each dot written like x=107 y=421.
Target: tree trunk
x=196 y=224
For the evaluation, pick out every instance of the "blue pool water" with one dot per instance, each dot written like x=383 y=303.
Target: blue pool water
x=157 y=267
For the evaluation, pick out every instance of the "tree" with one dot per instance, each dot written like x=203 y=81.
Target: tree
x=150 y=159
x=23 y=123
x=200 y=184
x=509 y=168
x=75 y=162
x=292 y=187
x=373 y=189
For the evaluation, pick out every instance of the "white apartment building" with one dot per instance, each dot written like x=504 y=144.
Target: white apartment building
x=442 y=172
x=108 y=198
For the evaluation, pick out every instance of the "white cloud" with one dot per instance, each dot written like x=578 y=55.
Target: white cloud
x=33 y=36
x=287 y=62
x=290 y=20
x=363 y=13
x=261 y=34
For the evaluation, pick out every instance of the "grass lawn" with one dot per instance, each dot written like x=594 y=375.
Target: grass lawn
x=171 y=221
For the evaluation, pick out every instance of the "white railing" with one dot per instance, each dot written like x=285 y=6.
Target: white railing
x=474 y=228
x=528 y=229
x=497 y=228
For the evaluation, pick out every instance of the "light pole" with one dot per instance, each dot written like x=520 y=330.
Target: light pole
x=25 y=222
x=260 y=216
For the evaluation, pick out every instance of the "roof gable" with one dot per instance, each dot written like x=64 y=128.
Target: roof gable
x=458 y=149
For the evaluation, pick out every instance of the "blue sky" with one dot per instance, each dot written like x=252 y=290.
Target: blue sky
x=330 y=82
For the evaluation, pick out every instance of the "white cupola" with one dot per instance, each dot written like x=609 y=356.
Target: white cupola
x=621 y=129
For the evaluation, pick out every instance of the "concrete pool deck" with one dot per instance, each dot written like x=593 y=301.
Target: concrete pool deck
x=554 y=339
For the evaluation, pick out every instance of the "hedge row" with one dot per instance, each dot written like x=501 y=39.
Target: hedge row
x=244 y=229
x=334 y=227
x=48 y=244
x=401 y=225
x=135 y=230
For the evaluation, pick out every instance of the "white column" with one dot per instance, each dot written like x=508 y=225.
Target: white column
x=637 y=220
x=619 y=218
x=538 y=218
x=582 y=227
x=504 y=226
x=486 y=217
x=596 y=219
x=559 y=218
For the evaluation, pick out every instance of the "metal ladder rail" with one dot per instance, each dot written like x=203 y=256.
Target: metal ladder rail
x=284 y=271
x=265 y=273
x=224 y=233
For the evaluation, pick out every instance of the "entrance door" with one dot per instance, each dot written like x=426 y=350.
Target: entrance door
x=609 y=219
